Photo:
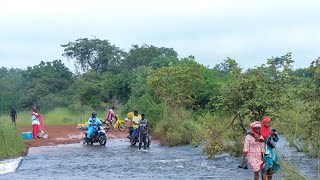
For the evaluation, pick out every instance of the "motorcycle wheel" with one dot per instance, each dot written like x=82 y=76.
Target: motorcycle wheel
x=122 y=126
x=148 y=143
x=107 y=128
x=133 y=141
x=102 y=140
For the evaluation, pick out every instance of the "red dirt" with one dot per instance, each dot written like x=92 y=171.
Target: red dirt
x=63 y=134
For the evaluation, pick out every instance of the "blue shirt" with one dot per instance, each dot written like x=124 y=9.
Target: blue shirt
x=94 y=121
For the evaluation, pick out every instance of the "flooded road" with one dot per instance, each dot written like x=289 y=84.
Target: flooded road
x=118 y=160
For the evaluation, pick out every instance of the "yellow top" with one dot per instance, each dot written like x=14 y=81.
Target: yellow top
x=136 y=120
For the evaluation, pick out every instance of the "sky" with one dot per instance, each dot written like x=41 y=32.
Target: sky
x=249 y=31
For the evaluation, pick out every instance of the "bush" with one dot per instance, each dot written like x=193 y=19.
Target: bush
x=177 y=127
x=219 y=136
x=11 y=142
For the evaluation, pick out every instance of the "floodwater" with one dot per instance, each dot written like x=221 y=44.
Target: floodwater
x=118 y=160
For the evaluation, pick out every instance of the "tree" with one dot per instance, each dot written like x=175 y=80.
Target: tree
x=258 y=92
x=11 y=88
x=98 y=55
x=227 y=66
x=150 y=56
x=44 y=79
x=312 y=98
x=177 y=85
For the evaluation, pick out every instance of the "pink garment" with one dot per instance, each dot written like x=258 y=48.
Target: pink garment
x=110 y=114
x=41 y=127
x=35 y=130
x=254 y=149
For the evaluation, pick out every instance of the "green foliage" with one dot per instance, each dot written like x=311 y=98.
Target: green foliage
x=11 y=89
x=57 y=116
x=260 y=91
x=177 y=127
x=177 y=85
x=98 y=55
x=228 y=66
x=312 y=98
x=185 y=102
x=44 y=79
x=11 y=142
x=146 y=55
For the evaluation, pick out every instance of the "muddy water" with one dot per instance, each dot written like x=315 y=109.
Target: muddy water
x=120 y=161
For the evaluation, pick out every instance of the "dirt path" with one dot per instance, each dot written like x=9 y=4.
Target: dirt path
x=63 y=134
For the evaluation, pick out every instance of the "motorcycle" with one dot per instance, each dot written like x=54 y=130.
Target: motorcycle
x=134 y=137
x=120 y=124
x=98 y=136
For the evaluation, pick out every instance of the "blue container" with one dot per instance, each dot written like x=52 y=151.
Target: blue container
x=26 y=135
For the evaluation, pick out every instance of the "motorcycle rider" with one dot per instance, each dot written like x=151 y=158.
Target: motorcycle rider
x=93 y=121
x=143 y=131
x=111 y=117
x=135 y=122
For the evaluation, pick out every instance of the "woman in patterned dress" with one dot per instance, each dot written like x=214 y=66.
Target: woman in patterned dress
x=254 y=148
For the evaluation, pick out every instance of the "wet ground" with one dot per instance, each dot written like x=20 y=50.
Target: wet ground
x=63 y=134
x=118 y=160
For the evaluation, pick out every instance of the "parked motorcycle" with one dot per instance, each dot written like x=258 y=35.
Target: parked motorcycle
x=98 y=136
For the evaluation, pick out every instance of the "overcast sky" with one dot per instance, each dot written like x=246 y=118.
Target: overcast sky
x=249 y=31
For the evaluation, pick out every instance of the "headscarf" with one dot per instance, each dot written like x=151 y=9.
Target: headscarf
x=265 y=132
x=253 y=125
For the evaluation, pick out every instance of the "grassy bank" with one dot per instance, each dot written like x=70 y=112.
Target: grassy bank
x=58 y=116
x=11 y=142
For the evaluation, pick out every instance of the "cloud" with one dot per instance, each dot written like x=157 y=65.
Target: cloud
x=249 y=31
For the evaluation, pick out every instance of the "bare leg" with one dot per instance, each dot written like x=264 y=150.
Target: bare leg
x=256 y=175
x=269 y=173
x=264 y=175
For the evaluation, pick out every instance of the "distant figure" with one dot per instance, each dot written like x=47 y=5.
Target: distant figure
x=13 y=115
x=111 y=116
x=35 y=122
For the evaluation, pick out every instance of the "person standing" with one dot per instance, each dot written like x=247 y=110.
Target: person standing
x=143 y=132
x=35 y=122
x=254 y=148
x=13 y=115
x=270 y=155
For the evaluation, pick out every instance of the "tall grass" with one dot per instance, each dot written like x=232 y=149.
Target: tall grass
x=289 y=171
x=11 y=142
x=177 y=127
x=58 y=116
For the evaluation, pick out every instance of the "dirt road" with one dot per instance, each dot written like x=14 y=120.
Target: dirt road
x=63 y=134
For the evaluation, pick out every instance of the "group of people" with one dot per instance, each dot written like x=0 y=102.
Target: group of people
x=259 y=148
x=139 y=125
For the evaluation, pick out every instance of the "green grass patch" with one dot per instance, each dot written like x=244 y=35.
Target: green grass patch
x=58 y=116
x=177 y=128
x=11 y=142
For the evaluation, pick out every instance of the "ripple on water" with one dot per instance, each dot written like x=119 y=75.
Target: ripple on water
x=118 y=160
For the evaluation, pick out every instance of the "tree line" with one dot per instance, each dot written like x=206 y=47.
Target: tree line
x=151 y=79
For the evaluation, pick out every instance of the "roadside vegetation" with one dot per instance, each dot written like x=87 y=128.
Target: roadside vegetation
x=11 y=142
